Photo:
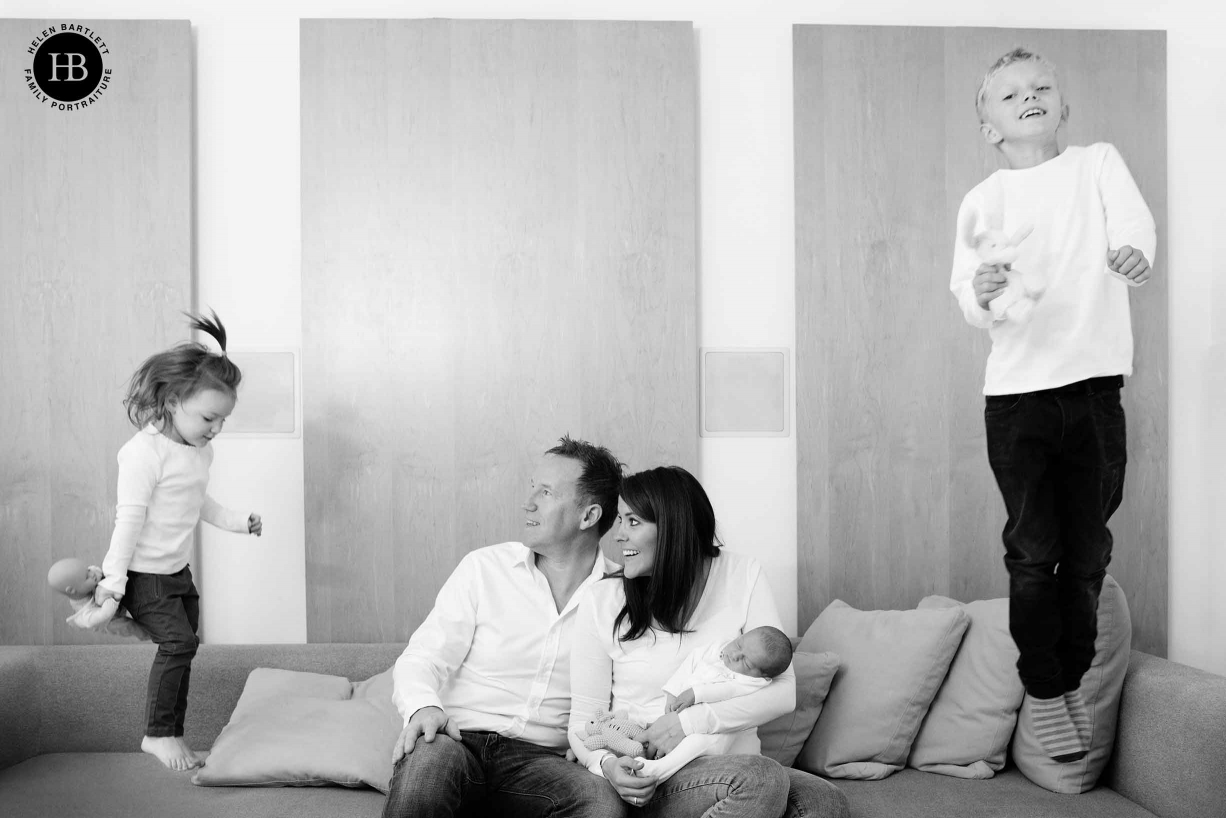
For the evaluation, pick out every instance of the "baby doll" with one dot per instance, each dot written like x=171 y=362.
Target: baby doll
x=75 y=580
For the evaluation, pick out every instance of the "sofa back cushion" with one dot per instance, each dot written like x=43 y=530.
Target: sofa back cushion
x=1100 y=687
x=968 y=727
x=892 y=663
x=783 y=737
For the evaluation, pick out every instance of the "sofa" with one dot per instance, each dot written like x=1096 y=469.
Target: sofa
x=71 y=719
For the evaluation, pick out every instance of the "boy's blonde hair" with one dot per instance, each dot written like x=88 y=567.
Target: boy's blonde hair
x=1018 y=54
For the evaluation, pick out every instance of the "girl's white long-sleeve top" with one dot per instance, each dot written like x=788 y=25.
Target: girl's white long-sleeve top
x=163 y=493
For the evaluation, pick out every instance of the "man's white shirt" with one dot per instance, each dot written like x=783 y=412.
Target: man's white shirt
x=494 y=653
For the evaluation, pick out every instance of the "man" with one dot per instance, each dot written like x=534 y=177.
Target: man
x=484 y=684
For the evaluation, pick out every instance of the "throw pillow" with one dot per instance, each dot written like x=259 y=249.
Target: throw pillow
x=892 y=663
x=292 y=729
x=783 y=737
x=1100 y=688
x=968 y=727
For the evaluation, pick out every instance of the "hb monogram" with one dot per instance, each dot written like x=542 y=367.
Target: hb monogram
x=71 y=66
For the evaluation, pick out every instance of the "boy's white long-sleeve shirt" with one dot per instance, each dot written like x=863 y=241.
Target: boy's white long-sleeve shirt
x=1080 y=204
x=162 y=494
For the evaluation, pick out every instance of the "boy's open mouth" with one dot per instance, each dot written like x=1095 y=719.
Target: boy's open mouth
x=1032 y=112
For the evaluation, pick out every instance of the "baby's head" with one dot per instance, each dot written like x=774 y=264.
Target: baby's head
x=762 y=652
x=1020 y=100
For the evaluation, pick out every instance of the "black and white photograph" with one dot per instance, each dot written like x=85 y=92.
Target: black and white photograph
x=577 y=408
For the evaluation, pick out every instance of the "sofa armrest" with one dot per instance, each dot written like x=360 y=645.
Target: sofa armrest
x=1171 y=739
x=20 y=704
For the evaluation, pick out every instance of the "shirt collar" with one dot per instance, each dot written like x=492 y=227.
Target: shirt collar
x=603 y=565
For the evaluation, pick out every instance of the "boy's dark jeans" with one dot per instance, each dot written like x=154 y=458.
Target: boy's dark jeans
x=1058 y=456
x=167 y=606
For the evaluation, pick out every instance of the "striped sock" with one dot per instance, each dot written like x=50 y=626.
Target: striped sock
x=1080 y=716
x=1054 y=729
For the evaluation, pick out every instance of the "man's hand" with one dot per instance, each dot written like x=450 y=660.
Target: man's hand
x=622 y=773
x=686 y=699
x=988 y=283
x=662 y=736
x=424 y=724
x=255 y=525
x=1130 y=263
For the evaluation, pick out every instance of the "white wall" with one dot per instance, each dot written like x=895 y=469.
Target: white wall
x=248 y=254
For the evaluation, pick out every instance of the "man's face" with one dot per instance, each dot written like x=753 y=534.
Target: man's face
x=1023 y=102
x=554 y=508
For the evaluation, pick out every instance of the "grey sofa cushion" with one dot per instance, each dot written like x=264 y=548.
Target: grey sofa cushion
x=127 y=785
x=914 y=794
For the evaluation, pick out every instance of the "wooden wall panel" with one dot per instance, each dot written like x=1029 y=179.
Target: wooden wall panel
x=498 y=248
x=896 y=496
x=95 y=264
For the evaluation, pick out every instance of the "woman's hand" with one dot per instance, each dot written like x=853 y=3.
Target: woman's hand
x=662 y=736
x=622 y=773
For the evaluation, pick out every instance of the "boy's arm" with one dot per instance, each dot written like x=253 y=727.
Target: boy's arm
x=966 y=263
x=1129 y=221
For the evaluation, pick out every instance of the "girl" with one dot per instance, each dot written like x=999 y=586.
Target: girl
x=179 y=399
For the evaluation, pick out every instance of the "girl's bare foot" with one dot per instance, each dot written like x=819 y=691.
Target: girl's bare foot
x=169 y=751
x=197 y=758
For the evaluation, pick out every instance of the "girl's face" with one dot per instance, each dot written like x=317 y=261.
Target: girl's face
x=637 y=539
x=197 y=420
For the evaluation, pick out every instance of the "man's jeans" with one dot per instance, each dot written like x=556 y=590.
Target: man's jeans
x=1059 y=457
x=487 y=774
x=168 y=607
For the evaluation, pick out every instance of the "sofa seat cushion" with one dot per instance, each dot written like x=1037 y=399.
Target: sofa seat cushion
x=124 y=785
x=914 y=794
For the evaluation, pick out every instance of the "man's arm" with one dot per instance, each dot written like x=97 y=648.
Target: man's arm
x=439 y=645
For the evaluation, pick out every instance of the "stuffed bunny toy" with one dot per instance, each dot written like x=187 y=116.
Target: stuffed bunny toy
x=1022 y=292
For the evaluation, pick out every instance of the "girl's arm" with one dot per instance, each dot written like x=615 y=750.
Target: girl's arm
x=754 y=708
x=591 y=681
x=217 y=515
x=139 y=471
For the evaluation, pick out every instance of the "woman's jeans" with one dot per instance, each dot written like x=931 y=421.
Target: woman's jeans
x=744 y=786
x=1059 y=457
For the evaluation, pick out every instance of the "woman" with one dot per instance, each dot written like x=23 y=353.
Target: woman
x=679 y=591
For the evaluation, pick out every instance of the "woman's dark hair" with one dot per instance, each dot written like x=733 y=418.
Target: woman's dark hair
x=674 y=500
x=178 y=373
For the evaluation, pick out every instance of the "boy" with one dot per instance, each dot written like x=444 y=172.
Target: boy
x=1055 y=427
x=714 y=674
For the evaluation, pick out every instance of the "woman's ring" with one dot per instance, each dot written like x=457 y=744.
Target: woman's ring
x=635 y=800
